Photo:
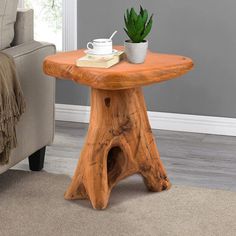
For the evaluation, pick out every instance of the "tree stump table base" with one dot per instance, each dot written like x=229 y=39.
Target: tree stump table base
x=119 y=143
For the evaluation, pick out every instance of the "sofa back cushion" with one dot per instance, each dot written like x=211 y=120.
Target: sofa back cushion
x=8 y=10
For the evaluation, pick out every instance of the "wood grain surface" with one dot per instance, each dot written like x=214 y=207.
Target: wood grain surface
x=119 y=143
x=157 y=68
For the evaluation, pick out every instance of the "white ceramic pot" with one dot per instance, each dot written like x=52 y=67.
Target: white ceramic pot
x=136 y=52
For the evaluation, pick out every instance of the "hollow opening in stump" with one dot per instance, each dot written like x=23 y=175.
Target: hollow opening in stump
x=115 y=161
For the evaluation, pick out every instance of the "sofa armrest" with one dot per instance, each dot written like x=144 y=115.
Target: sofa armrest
x=24 y=27
x=39 y=94
x=30 y=47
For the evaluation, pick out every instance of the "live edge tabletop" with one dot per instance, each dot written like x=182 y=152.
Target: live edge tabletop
x=119 y=142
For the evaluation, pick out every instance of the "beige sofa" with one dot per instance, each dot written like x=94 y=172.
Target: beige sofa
x=36 y=128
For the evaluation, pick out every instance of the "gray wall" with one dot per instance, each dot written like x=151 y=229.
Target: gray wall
x=203 y=30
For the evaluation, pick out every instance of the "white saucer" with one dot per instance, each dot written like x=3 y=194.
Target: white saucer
x=90 y=52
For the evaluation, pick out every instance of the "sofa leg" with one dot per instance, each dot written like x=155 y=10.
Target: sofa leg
x=36 y=160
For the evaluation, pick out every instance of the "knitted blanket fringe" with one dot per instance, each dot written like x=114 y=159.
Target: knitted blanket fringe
x=12 y=106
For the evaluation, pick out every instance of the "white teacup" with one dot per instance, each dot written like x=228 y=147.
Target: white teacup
x=100 y=46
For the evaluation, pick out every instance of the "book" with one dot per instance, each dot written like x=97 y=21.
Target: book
x=97 y=61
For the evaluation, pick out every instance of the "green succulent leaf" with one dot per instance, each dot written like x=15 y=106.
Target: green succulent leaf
x=127 y=32
x=126 y=21
x=141 y=10
x=131 y=27
x=139 y=24
x=145 y=17
x=127 y=14
x=148 y=28
x=133 y=14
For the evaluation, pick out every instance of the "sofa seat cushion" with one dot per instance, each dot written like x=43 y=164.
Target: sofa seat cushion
x=8 y=10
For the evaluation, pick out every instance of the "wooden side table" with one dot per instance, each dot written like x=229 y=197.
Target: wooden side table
x=119 y=142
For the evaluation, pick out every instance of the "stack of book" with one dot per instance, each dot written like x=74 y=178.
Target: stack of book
x=100 y=61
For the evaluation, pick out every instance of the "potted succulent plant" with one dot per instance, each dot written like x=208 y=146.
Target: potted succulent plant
x=138 y=26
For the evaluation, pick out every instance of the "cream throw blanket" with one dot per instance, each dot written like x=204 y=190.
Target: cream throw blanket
x=12 y=106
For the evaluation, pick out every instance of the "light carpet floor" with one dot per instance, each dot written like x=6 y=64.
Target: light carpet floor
x=33 y=204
